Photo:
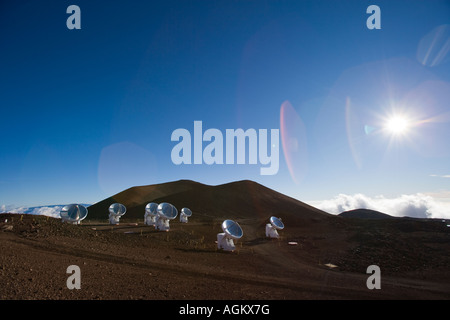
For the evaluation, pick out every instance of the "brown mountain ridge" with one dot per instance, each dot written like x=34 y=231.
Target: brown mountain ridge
x=235 y=200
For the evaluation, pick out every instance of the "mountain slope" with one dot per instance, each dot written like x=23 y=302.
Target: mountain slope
x=236 y=200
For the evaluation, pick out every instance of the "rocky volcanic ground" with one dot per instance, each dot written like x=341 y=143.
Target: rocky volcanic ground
x=132 y=261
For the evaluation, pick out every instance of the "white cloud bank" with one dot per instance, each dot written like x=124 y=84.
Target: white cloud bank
x=51 y=211
x=418 y=205
x=440 y=175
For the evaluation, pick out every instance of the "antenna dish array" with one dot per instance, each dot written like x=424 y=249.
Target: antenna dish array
x=159 y=215
x=151 y=211
x=272 y=227
x=116 y=211
x=185 y=214
x=165 y=213
x=231 y=230
x=73 y=213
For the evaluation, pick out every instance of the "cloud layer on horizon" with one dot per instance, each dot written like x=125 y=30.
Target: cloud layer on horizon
x=440 y=175
x=418 y=205
x=51 y=211
x=415 y=205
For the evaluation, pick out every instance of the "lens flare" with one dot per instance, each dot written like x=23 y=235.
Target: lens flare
x=293 y=139
x=429 y=118
x=434 y=47
x=123 y=165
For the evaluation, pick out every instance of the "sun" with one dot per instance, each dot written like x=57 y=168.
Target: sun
x=397 y=125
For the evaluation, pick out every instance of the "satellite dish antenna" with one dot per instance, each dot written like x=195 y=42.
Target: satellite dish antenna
x=165 y=213
x=272 y=227
x=150 y=213
x=116 y=211
x=231 y=230
x=73 y=213
x=185 y=214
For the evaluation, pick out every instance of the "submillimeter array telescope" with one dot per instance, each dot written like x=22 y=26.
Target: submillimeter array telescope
x=151 y=211
x=165 y=213
x=116 y=211
x=73 y=213
x=272 y=227
x=231 y=230
x=185 y=214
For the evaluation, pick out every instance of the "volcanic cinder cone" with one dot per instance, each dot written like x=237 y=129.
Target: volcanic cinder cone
x=236 y=200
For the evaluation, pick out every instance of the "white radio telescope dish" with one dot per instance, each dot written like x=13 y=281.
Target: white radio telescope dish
x=151 y=211
x=272 y=227
x=73 y=213
x=116 y=211
x=231 y=230
x=165 y=213
x=185 y=214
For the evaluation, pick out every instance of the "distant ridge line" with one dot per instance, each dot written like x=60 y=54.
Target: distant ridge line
x=365 y=214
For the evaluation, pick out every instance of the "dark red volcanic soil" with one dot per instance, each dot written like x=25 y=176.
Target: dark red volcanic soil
x=133 y=261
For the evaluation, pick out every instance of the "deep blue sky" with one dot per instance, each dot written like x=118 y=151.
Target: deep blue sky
x=87 y=113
